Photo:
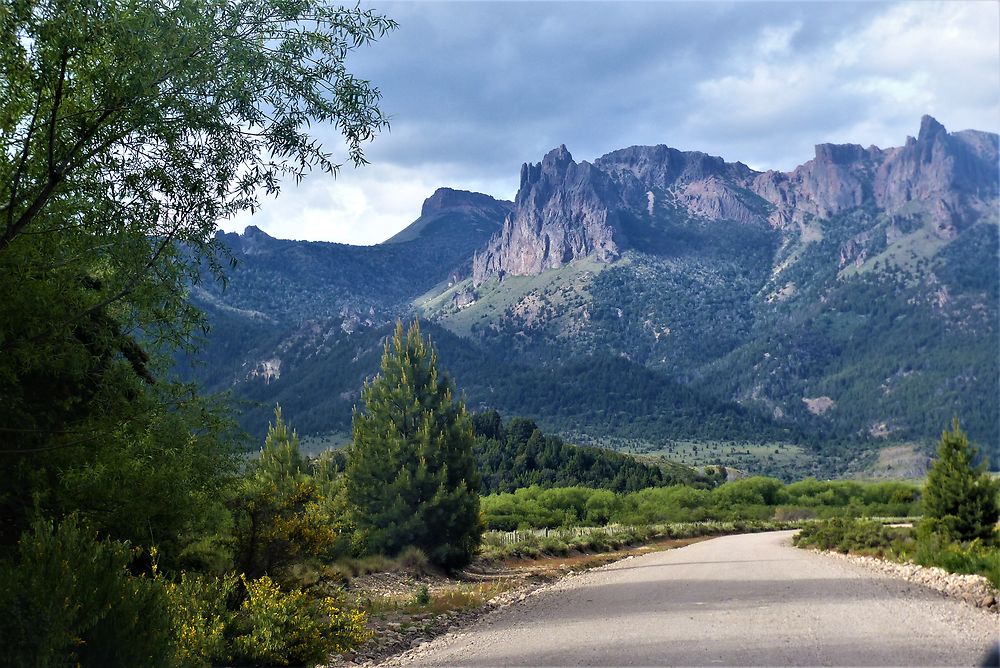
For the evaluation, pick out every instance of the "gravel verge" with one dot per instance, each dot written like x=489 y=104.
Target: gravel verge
x=973 y=589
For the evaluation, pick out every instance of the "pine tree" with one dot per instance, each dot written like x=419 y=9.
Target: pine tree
x=960 y=500
x=282 y=514
x=411 y=474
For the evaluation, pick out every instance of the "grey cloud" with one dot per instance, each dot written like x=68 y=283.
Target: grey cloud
x=480 y=87
x=493 y=84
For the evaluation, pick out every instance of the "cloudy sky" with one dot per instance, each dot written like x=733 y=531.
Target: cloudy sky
x=474 y=89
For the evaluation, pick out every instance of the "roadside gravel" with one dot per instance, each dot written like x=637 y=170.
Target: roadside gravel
x=972 y=589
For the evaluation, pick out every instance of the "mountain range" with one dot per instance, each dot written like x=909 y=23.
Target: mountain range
x=822 y=320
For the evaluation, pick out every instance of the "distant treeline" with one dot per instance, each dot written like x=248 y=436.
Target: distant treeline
x=519 y=455
x=749 y=498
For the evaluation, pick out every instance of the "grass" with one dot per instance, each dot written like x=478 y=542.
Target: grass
x=563 y=542
x=422 y=600
x=764 y=458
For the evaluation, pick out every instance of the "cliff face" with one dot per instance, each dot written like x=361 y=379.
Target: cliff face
x=950 y=176
x=705 y=186
x=566 y=210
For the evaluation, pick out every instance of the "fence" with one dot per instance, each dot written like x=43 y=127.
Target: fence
x=676 y=530
x=511 y=537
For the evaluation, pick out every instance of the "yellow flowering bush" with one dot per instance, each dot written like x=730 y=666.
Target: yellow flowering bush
x=282 y=628
x=200 y=617
x=269 y=627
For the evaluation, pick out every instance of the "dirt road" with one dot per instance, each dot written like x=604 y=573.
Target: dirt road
x=736 y=600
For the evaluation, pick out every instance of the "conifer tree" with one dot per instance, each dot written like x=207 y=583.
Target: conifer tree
x=282 y=513
x=411 y=474
x=960 y=500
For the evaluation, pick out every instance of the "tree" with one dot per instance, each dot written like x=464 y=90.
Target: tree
x=411 y=475
x=960 y=500
x=128 y=130
x=283 y=512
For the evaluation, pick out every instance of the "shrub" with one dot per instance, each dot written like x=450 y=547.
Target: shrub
x=200 y=618
x=846 y=534
x=279 y=628
x=70 y=600
x=422 y=596
x=972 y=557
x=414 y=560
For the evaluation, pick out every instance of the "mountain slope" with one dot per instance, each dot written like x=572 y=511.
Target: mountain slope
x=656 y=295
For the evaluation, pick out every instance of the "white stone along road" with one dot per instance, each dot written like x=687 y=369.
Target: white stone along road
x=731 y=601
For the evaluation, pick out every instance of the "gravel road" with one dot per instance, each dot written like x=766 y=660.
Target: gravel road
x=732 y=601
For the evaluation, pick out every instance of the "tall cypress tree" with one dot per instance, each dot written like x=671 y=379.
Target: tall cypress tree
x=411 y=474
x=960 y=499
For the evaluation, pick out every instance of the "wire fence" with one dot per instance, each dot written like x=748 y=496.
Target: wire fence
x=676 y=529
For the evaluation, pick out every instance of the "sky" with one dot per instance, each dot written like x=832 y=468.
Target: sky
x=475 y=89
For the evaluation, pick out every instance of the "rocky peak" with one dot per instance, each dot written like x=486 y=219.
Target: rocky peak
x=254 y=232
x=930 y=129
x=947 y=175
x=561 y=213
x=662 y=167
x=707 y=186
x=449 y=199
x=253 y=241
x=839 y=154
x=457 y=211
x=565 y=210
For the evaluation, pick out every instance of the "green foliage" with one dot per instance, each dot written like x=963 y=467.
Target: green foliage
x=849 y=535
x=520 y=455
x=274 y=627
x=846 y=534
x=128 y=130
x=200 y=615
x=422 y=595
x=254 y=622
x=283 y=511
x=562 y=542
x=753 y=498
x=411 y=475
x=973 y=557
x=960 y=500
x=68 y=599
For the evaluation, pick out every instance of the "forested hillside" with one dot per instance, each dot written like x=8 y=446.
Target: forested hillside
x=823 y=311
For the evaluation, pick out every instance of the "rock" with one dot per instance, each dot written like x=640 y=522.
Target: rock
x=563 y=211
x=566 y=210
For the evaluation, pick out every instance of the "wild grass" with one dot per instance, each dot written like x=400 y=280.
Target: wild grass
x=423 y=600
x=498 y=545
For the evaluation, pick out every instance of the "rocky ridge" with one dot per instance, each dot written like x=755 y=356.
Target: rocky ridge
x=563 y=211
x=566 y=210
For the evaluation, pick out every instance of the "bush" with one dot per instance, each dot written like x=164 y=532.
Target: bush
x=973 y=557
x=201 y=616
x=413 y=560
x=278 y=628
x=70 y=600
x=845 y=534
